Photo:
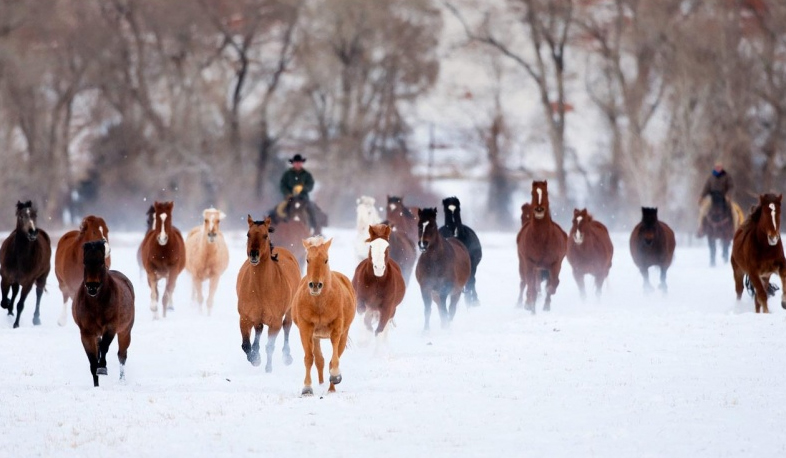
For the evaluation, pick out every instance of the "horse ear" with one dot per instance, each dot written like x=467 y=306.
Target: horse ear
x=250 y=221
x=576 y=212
x=327 y=244
x=780 y=196
x=82 y=226
x=221 y=215
x=386 y=231
x=268 y=221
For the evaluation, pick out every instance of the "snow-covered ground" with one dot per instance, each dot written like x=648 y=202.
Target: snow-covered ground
x=691 y=373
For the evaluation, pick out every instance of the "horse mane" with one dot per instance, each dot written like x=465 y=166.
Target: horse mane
x=755 y=214
x=315 y=241
x=649 y=216
x=26 y=204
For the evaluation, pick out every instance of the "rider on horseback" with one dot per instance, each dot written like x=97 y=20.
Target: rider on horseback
x=719 y=181
x=297 y=181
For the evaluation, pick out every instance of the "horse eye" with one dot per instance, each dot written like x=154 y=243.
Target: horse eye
x=326 y=261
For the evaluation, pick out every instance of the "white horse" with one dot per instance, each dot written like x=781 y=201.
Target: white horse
x=367 y=215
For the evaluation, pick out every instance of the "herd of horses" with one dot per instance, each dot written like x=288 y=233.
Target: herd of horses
x=286 y=277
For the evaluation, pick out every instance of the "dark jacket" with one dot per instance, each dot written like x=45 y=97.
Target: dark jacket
x=292 y=177
x=721 y=183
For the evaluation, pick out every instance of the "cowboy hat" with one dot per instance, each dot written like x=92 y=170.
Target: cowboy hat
x=297 y=158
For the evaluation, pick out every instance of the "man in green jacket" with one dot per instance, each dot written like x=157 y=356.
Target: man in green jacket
x=296 y=181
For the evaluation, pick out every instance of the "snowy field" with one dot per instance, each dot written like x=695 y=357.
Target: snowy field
x=690 y=373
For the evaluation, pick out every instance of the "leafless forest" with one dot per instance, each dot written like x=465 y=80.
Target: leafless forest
x=106 y=105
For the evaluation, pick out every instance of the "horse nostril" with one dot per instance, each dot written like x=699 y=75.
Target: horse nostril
x=319 y=285
x=311 y=284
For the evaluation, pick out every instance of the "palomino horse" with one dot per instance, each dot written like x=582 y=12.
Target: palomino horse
x=367 y=215
x=378 y=283
x=454 y=228
x=443 y=268
x=24 y=260
x=163 y=255
x=69 y=258
x=757 y=250
x=103 y=307
x=589 y=250
x=402 y=218
x=721 y=221
x=265 y=286
x=207 y=256
x=323 y=308
x=652 y=244
x=541 y=247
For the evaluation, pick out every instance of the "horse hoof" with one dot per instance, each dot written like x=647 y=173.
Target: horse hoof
x=547 y=308
x=254 y=359
x=101 y=371
x=287 y=360
x=335 y=379
x=268 y=368
x=783 y=304
x=36 y=321
x=307 y=391
x=16 y=325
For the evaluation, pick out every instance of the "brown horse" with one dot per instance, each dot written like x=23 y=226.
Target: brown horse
x=24 y=260
x=207 y=256
x=757 y=250
x=402 y=218
x=719 y=224
x=589 y=250
x=103 y=307
x=323 y=308
x=541 y=247
x=69 y=257
x=289 y=234
x=163 y=255
x=378 y=283
x=652 y=244
x=265 y=286
x=402 y=250
x=443 y=268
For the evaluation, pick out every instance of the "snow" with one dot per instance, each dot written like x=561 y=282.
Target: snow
x=690 y=373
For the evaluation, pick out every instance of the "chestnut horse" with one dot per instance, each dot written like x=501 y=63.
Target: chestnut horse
x=541 y=247
x=454 y=228
x=402 y=218
x=367 y=215
x=69 y=257
x=652 y=244
x=589 y=250
x=757 y=250
x=265 y=286
x=103 y=307
x=378 y=283
x=25 y=257
x=443 y=268
x=163 y=255
x=323 y=308
x=721 y=221
x=207 y=256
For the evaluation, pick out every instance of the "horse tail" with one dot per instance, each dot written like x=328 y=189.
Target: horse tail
x=737 y=214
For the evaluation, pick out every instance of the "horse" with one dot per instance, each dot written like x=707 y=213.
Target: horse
x=367 y=215
x=69 y=257
x=265 y=286
x=589 y=250
x=757 y=251
x=103 y=307
x=323 y=307
x=443 y=268
x=207 y=256
x=454 y=228
x=402 y=218
x=652 y=244
x=378 y=283
x=24 y=260
x=301 y=208
x=290 y=233
x=402 y=250
x=721 y=221
x=541 y=247
x=163 y=255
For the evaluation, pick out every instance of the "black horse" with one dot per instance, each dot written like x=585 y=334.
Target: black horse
x=25 y=259
x=454 y=228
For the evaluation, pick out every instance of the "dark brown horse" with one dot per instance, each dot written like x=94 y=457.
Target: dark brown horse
x=455 y=228
x=443 y=268
x=403 y=251
x=541 y=247
x=103 y=307
x=720 y=223
x=163 y=255
x=301 y=209
x=69 y=257
x=378 y=283
x=402 y=218
x=589 y=250
x=25 y=257
x=290 y=233
x=652 y=244
x=265 y=286
x=757 y=250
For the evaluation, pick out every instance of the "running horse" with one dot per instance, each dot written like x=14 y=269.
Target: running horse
x=541 y=247
x=297 y=207
x=455 y=228
x=163 y=255
x=443 y=268
x=589 y=250
x=652 y=243
x=402 y=218
x=757 y=251
x=721 y=221
x=103 y=307
x=207 y=256
x=24 y=261
x=69 y=258
x=323 y=307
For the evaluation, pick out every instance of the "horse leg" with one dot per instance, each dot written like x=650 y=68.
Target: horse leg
x=426 y=294
x=319 y=360
x=470 y=294
x=738 y=276
x=306 y=333
x=599 y=279
x=245 y=333
x=6 y=304
x=287 y=326
x=256 y=360
x=760 y=290
x=90 y=344
x=645 y=273
x=385 y=311
x=152 y=282
x=64 y=314
x=444 y=319
x=726 y=243
x=662 y=286
x=103 y=349
x=272 y=332
x=171 y=281
x=39 y=291
x=711 y=244
x=338 y=338
x=21 y=304
x=123 y=341
x=579 y=277
x=211 y=293
x=532 y=289
x=782 y=273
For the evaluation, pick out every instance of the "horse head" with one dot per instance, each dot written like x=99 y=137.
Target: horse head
x=452 y=208
x=95 y=266
x=769 y=220
x=427 y=227
x=581 y=220
x=162 y=211
x=540 y=199
x=258 y=240
x=317 y=267
x=649 y=224
x=94 y=228
x=26 y=215
x=212 y=218
x=378 y=240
